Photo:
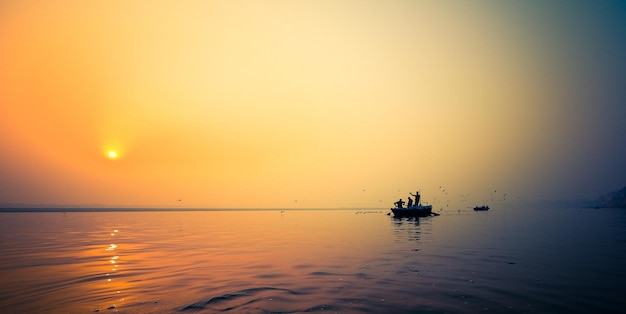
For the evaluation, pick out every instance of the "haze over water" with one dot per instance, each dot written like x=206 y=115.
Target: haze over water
x=282 y=104
x=506 y=260
x=310 y=104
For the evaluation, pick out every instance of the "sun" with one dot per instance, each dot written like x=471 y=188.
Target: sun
x=112 y=154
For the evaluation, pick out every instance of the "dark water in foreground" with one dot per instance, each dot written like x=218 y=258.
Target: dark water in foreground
x=507 y=260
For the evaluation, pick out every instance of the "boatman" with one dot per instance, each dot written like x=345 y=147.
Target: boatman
x=417 y=197
x=410 y=203
x=399 y=203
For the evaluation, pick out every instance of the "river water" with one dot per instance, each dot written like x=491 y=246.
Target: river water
x=508 y=259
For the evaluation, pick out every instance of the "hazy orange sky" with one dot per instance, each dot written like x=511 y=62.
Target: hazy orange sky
x=309 y=103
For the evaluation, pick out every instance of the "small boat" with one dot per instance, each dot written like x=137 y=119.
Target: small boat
x=417 y=210
x=413 y=211
x=484 y=207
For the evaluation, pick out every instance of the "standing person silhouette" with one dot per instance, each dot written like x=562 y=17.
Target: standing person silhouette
x=410 y=203
x=417 y=197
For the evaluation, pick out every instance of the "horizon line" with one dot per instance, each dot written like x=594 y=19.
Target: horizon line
x=163 y=209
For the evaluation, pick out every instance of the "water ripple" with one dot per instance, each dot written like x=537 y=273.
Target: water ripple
x=243 y=297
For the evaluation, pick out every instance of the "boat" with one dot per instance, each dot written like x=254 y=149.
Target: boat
x=413 y=211
x=417 y=210
x=484 y=207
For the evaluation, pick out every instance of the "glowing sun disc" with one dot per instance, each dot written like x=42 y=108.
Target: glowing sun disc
x=112 y=154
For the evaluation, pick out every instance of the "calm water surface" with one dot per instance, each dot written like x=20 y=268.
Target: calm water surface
x=508 y=260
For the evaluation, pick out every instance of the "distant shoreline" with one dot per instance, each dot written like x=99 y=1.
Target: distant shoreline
x=158 y=209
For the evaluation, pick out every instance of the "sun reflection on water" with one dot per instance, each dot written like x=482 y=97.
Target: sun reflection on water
x=114 y=261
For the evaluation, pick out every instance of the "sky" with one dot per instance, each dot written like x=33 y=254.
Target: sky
x=309 y=104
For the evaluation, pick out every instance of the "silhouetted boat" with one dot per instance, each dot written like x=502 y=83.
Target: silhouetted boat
x=413 y=211
x=484 y=207
x=417 y=210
